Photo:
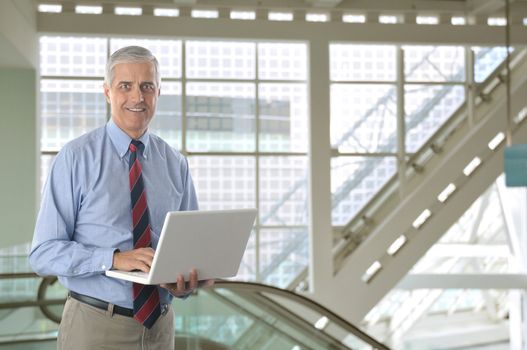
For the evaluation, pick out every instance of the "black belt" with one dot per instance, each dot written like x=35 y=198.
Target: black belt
x=100 y=304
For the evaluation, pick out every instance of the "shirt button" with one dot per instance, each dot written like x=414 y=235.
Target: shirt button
x=103 y=267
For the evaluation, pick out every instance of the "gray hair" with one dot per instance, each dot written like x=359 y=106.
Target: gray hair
x=131 y=54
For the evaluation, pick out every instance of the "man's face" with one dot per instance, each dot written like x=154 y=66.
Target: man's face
x=133 y=96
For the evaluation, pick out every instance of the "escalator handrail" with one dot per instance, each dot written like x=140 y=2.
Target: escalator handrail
x=251 y=287
x=259 y=288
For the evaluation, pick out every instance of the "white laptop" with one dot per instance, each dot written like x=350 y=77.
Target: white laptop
x=212 y=241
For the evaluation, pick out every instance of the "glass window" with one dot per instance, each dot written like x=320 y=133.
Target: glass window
x=224 y=182
x=362 y=62
x=363 y=118
x=68 y=109
x=247 y=270
x=167 y=120
x=427 y=108
x=221 y=117
x=280 y=61
x=283 y=190
x=487 y=59
x=283 y=117
x=283 y=255
x=434 y=63
x=72 y=56
x=220 y=59
x=354 y=181
x=212 y=114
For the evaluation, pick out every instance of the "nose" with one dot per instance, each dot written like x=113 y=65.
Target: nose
x=137 y=94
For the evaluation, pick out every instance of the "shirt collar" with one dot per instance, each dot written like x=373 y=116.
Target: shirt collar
x=121 y=140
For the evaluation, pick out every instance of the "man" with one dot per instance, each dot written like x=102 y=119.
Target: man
x=103 y=207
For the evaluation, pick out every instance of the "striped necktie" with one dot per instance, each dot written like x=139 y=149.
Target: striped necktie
x=146 y=297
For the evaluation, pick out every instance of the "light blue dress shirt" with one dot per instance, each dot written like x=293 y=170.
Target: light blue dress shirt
x=85 y=214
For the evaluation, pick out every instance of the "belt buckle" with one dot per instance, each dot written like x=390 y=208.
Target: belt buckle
x=164 y=309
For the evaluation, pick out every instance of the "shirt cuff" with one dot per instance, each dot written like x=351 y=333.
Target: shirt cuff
x=103 y=259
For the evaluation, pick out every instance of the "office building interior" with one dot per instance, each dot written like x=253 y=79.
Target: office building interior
x=369 y=134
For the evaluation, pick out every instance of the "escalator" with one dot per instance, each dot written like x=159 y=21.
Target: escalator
x=230 y=315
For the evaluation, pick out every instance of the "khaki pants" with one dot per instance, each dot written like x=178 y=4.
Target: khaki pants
x=85 y=327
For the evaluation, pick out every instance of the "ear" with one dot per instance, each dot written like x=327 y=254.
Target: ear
x=158 y=92
x=107 y=92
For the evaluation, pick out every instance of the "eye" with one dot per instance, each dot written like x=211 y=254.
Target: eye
x=147 y=87
x=124 y=86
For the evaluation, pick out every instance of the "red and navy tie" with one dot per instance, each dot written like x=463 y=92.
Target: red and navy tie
x=146 y=297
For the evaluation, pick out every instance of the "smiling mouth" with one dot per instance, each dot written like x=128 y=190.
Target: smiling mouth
x=135 y=110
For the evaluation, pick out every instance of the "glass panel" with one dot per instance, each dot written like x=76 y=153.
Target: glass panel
x=354 y=181
x=72 y=56
x=210 y=317
x=221 y=117
x=363 y=118
x=224 y=182
x=45 y=166
x=362 y=62
x=283 y=191
x=220 y=60
x=282 y=61
x=434 y=63
x=167 y=52
x=247 y=270
x=13 y=259
x=487 y=59
x=283 y=117
x=21 y=322
x=240 y=320
x=427 y=108
x=283 y=255
x=69 y=108
x=167 y=120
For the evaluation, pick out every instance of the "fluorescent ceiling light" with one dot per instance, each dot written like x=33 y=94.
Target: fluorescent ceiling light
x=50 y=8
x=89 y=10
x=396 y=245
x=474 y=163
x=422 y=218
x=496 y=141
x=496 y=21
x=317 y=17
x=163 y=12
x=443 y=196
x=371 y=271
x=243 y=15
x=128 y=11
x=354 y=18
x=204 y=13
x=280 y=16
x=426 y=20
x=387 y=19
x=458 y=21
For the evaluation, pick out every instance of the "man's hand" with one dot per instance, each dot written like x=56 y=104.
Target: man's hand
x=181 y=288
x=137 y=259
